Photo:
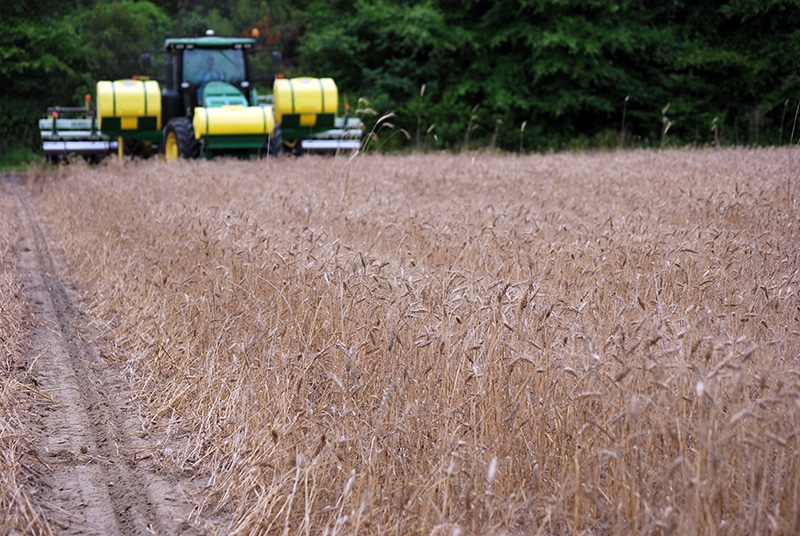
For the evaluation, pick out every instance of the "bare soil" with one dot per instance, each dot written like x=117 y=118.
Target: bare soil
x=99 y=473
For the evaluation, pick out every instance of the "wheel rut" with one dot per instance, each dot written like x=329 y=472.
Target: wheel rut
x=99 y=476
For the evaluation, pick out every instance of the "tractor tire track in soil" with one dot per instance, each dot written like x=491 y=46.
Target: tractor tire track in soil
x=99 y=474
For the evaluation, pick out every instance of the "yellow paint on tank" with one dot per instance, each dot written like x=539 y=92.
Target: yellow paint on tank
x=306 y=97
x=233 y=120
x=127 y=102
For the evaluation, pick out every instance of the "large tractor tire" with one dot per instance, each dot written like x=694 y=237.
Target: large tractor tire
x=179 y=140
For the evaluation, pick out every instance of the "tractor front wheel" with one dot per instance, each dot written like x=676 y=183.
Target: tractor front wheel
x=179 y=140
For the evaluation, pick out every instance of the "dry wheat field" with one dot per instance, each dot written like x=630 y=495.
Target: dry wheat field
x=601 y=343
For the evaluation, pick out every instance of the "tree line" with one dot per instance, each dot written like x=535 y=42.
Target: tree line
x=518 y=75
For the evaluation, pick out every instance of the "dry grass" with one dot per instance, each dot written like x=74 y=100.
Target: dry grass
x=559 y=344
x=17 y=512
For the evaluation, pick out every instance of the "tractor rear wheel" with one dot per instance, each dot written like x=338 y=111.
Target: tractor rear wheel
x=179 y=140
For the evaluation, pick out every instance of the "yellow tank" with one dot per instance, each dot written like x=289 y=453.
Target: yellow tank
x=132 y=105
x=305 y=102
x=233 y=120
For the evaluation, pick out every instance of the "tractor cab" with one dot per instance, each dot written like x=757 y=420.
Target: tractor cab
x=207 y=72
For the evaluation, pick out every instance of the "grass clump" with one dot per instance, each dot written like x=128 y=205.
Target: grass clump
x=15 y=156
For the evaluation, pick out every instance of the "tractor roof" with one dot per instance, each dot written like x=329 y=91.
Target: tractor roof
x=208 y=42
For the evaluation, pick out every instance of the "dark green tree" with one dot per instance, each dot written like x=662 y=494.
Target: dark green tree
x=455 y=72
x=565 y=68
x=115 y=34
x=43 y=62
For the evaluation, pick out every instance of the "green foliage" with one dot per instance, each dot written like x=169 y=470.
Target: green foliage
x=565 y=69
x=40 y=63
x=115 y=34
x=15 y=155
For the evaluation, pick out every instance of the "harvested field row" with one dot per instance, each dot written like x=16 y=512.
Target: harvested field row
x=17 y=510
x=456 y=345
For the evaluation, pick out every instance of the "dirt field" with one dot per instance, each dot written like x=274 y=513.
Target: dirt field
x=553 y=344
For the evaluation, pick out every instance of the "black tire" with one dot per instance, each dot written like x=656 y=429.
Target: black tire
x=179 y=141
x=137 y=148
x=275 y=142
x=294 y=147
x=132 y=147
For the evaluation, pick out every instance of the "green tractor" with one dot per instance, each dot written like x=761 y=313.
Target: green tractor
x=208 y=106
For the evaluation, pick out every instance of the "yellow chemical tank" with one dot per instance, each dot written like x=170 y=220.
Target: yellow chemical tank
x=128 y=105
x=305 y=102
x=233 y=120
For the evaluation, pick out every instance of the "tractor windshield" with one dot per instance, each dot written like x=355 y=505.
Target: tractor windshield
x=203 y=65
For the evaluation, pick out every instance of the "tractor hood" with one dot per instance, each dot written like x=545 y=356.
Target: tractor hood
x=217 y=94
